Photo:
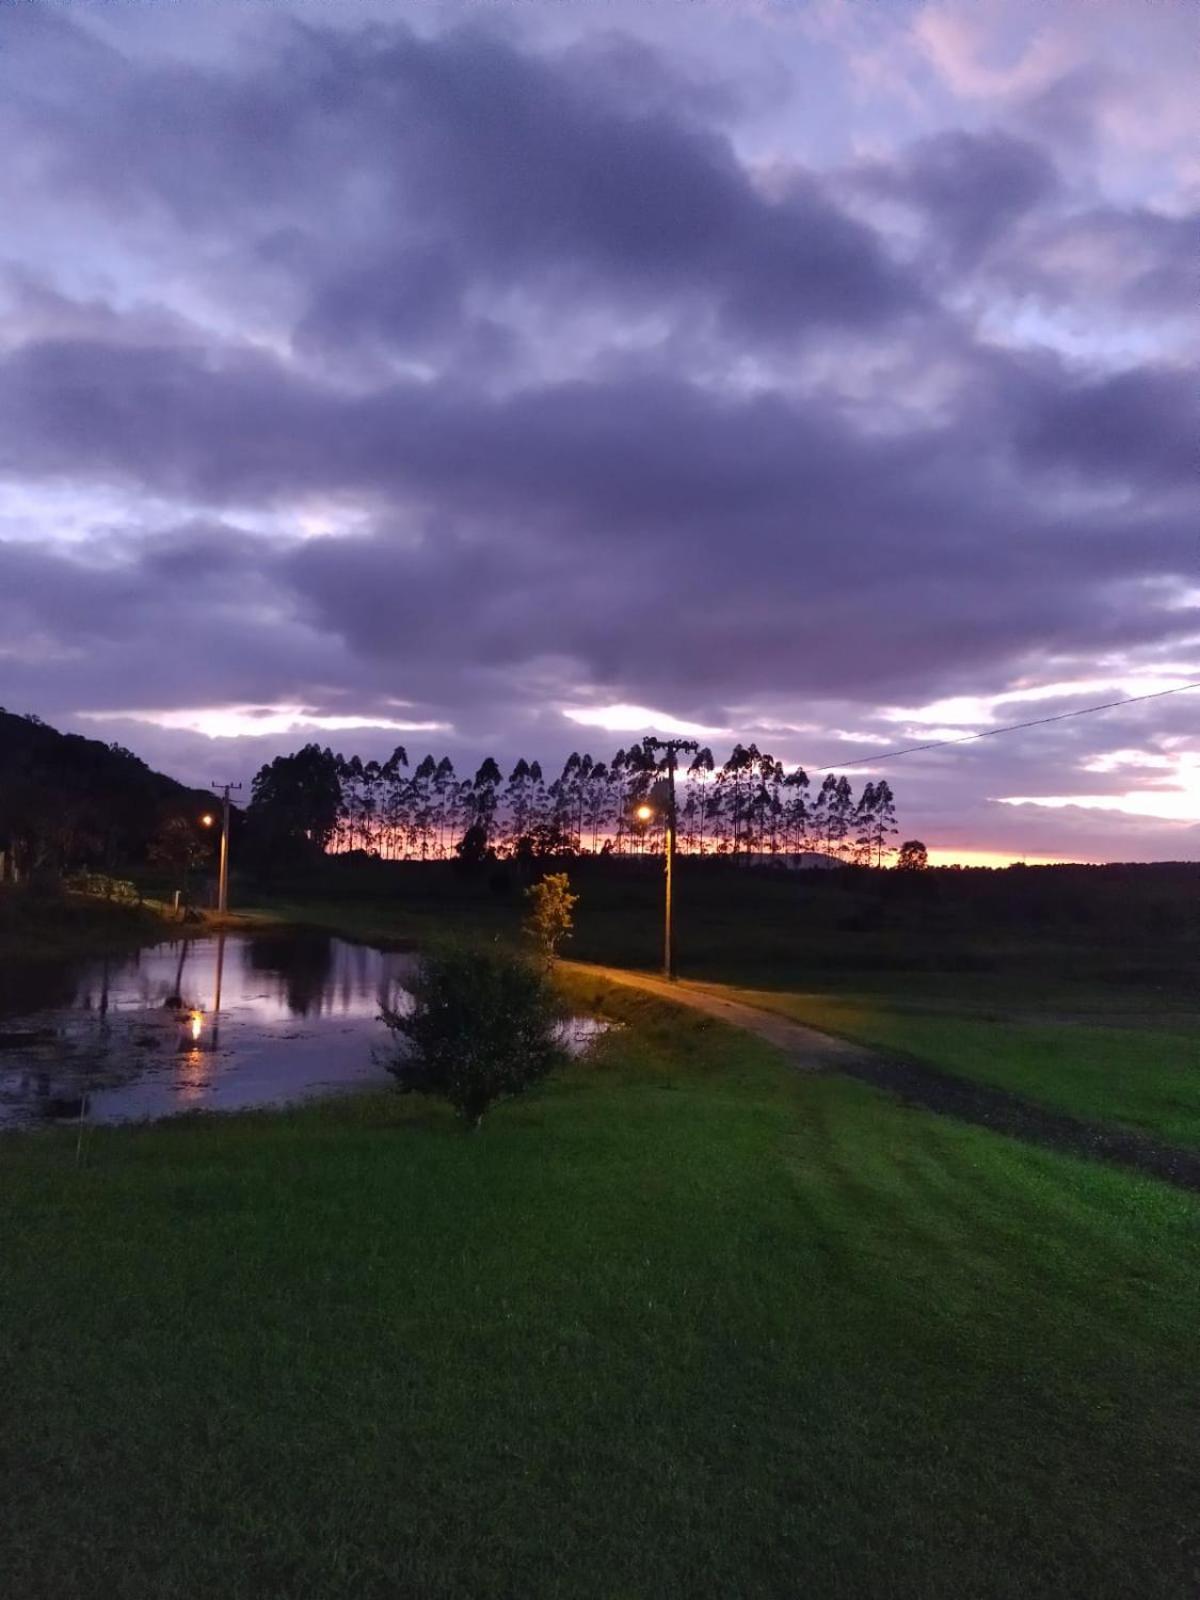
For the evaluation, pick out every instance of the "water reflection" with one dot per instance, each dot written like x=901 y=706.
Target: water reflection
x=218 y=1023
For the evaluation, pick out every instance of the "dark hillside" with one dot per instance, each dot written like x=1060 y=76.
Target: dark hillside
x=69 y=802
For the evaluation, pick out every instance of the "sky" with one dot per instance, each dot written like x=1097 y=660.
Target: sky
x=520 y=378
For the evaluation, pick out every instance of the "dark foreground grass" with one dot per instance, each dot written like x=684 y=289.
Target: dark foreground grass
x=55 y=926
x=683 y=1324
x=1146 y=1078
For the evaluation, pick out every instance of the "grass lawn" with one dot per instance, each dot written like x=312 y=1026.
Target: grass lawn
x=1144 y=1077
x=972 y=999
x=685 y=1323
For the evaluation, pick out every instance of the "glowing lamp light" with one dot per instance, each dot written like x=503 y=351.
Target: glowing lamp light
x=197 y=1023
x=644 y=813
x=208 y=819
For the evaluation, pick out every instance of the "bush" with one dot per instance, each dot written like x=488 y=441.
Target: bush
x=99 y=886
x=482 y=1026
x=550 y=919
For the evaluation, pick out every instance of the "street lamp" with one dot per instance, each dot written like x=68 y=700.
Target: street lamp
x=223 y=872
x=672 y=747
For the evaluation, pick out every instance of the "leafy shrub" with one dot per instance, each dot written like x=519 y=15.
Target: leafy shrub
x=482 y=1026
x=101 y=887
x=550 y=919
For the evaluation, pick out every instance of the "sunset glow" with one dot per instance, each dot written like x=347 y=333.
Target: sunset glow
x=241 y=722
x=641 y=720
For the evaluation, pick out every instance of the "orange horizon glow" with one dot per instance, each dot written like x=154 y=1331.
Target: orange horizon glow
x=950 y=857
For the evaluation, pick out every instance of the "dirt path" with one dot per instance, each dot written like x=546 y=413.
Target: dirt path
x=917 y=1084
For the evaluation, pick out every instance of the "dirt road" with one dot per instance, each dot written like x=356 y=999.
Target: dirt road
x=916 y=1084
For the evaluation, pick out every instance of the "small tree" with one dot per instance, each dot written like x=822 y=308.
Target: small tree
x=550 y=921
x=178 y=847
x=913 y=856
x=482 y=1026
x=472 y=848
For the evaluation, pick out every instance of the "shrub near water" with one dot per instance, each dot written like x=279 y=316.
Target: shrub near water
x=482 y=1026
x=550 y=919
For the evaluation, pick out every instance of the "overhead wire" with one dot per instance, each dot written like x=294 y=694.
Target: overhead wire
x=1012 y=727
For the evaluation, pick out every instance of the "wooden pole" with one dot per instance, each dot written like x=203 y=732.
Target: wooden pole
x=223 y=870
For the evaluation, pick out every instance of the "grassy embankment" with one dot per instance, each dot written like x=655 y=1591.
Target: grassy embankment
x=40 y=926
x=684 y=1323
x=1076 y=992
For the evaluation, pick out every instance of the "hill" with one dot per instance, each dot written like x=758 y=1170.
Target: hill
x=69 y=802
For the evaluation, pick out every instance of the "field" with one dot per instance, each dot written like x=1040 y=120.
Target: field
x=1078 y=989
x=686 y=1322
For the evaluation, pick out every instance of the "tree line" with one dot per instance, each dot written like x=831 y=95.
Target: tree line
x=748 y=807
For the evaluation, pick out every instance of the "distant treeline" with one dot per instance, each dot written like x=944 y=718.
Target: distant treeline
x=749 y=806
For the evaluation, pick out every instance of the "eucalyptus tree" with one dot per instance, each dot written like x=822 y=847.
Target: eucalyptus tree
x=698 y=774
x=839 y=819
x=350 y=780
x=372 y=782
x=444 y=787
x=618 y=779
x=485 y=796
x=764 y=808
x=581 y=783
x=883 y=822
x=394 y=801
x=596 y=812
x=864 y=826
x=641 y=769
x=422 y=819
x=567 y=796
x=518 y=799
x=735 y=778
x=796 y=818
x=822 y=839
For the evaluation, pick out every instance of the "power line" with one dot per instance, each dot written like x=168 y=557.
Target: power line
x=1012 y=727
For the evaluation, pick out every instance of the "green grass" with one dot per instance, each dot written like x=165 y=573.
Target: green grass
x=683 y=1324
x=1147 y=1078
x=968 y=987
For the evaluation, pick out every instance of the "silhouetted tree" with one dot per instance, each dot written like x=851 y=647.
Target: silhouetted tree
x=295 y=803
x=913 y=857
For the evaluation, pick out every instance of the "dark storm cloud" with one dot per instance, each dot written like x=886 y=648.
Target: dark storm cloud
x=587 y=379
x=614 y=458
x=541 y=181
x=471 y=160
x=971 y=188
x=1135 y=427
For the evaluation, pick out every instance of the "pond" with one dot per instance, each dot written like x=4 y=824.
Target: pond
x=213 y=1024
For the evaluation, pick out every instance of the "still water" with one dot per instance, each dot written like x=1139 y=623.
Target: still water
x=215 y=1024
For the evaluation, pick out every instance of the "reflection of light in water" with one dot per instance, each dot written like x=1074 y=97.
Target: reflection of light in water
x=194 y=1074
x=236 y=1044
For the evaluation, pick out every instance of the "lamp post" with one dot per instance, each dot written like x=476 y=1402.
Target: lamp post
x=223 y=871
x=672 y=747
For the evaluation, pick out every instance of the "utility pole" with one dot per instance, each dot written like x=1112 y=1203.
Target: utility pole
x=672 y=747
x=223 y=878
